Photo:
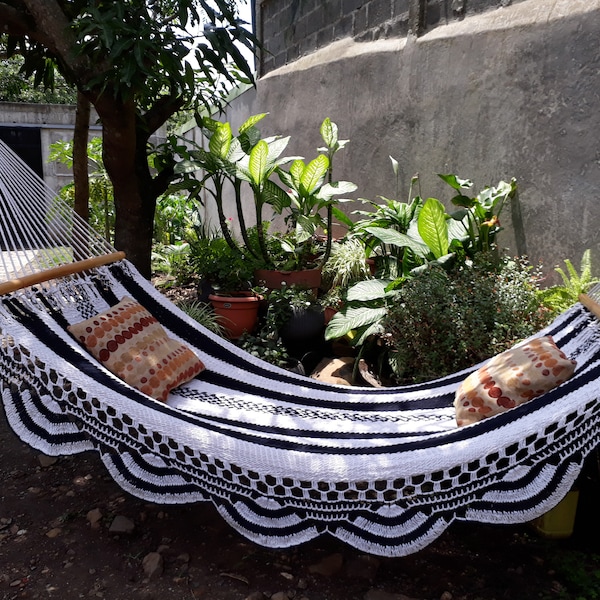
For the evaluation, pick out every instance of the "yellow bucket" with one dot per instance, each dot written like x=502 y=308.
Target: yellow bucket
x=558 y=523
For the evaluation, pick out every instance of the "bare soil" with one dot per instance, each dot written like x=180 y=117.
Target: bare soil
x=51 y=548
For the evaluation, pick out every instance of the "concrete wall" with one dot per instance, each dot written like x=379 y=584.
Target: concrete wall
x=290 y=29
x=512 y=92
x=56 y=122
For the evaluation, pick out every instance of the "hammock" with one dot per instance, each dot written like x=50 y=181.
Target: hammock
x=283 y=458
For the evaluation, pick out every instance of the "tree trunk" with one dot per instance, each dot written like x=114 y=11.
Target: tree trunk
x=80 y=157
x=126 y=162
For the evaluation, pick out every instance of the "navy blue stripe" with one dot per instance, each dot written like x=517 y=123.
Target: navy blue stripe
x=159 y=472
x=531 y=502
x=37 y=430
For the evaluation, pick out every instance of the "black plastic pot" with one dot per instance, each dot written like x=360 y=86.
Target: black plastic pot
x=303 y=335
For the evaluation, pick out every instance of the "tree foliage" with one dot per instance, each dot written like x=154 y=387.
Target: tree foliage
x=15 y=86
x=137 y=64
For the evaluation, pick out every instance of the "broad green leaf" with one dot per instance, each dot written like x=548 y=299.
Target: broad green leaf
x=329 y=133
x=251 y=122
x=186 y=166
x=369 y=289
x=220 y=141
x=337 y=187
x=456 y=183
x=375 y=328
x=395 y=165
x=305 y=227
x=236 y=151
x=395 y=238
x=463 y=201
x=276 y=147
x=287 y=246
x=242 y=170
x=208 y=123
x=457 y=230
x=296 y=170
x=249 y=138
x=353 y=318
x=257 y=165
x=285 y=178
x=273 y=195
x=342 y=217
x=313 y=174
x=433 y=227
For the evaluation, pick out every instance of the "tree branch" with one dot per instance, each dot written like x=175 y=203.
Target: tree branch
x=53 y=26
x=13 y=21
x=162 y=110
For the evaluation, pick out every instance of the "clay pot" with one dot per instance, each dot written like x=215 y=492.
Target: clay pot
x=275 y=280
x=238 y=313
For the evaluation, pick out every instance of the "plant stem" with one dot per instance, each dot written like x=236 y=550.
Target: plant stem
x=237 y=186
x=218 y=195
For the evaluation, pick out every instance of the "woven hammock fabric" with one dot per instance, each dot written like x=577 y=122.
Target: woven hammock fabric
x=284 y=458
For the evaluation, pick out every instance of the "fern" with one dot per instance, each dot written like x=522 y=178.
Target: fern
x=560 y=297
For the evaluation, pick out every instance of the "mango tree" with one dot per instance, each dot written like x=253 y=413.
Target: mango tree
x=138 y=65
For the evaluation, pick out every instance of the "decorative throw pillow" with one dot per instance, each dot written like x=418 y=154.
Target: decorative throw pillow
x=512 y=378
x=131 y=343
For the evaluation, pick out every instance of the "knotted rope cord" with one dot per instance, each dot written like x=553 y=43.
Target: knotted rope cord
x=38 y=230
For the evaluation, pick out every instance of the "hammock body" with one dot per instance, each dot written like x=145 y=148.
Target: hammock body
x=285 y=458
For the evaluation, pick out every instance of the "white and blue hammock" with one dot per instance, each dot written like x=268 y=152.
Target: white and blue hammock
x=284 y=458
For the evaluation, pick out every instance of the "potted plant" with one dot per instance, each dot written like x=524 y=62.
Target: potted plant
x=346 y=266
x=298 y=319
x=226 y=277
x=231 y=161
x=312 y=192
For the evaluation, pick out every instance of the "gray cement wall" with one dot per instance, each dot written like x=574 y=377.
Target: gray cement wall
x=512 y=92
x=56 y=122
x=290 y=29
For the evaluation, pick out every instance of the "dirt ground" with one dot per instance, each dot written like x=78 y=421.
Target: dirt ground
x=68 y=531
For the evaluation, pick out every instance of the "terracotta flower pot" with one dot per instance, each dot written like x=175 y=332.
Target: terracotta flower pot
x=237 y=313
x=275 y=280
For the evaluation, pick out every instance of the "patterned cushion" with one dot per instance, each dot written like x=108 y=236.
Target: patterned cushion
x=512 y=378
x=131 y=343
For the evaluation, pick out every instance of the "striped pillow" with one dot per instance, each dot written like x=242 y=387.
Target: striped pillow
x=131 y=343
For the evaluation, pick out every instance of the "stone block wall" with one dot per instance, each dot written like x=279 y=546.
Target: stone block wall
x=290 y=29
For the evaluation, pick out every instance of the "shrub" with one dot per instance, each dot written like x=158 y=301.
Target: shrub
x=444 y=321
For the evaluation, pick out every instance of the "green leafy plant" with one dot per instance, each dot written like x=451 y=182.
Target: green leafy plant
x=419 y=232
x=175 y=220
x=366 y=305
x=223 y=267
x=346 y=265
x=267 y=347
x=479 y=215
x=173 y=261
x=101 y=204
x=445 y=321
x=267 y=343
x=203 y=314
x=560 y=297
x=391 y=215
x=311 y=189
x=431 y=237
x=231 y=161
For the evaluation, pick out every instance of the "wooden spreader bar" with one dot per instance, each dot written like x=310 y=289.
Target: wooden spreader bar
x=79 y=266
x=590 y=304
